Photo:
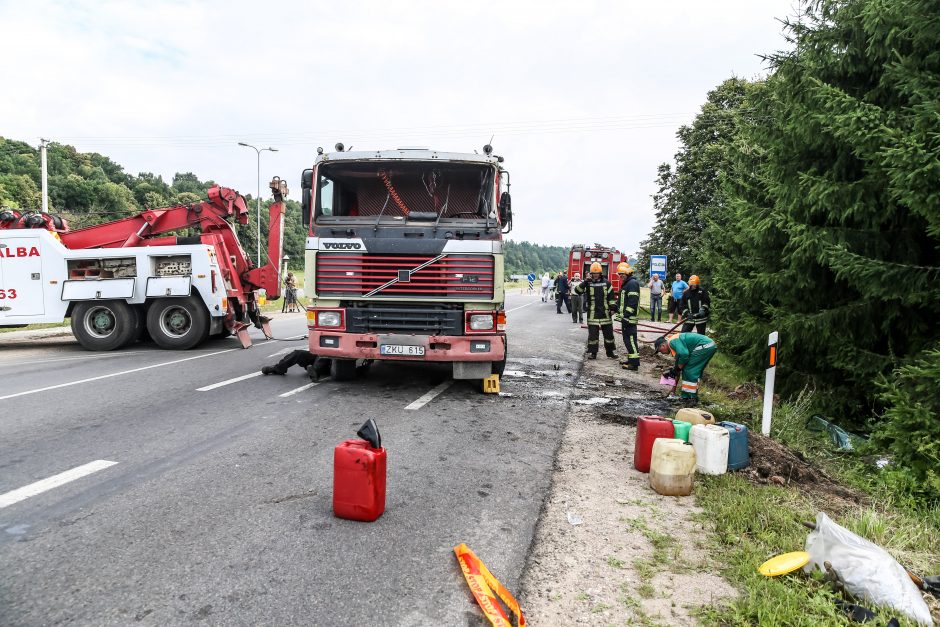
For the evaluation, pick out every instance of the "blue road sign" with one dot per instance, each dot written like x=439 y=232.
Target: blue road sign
x=658 y=265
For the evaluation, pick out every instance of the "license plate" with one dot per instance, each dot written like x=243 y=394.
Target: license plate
x=398 y=349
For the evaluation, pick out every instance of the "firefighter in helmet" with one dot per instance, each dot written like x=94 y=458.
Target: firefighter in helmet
x=628 y=306
x=695 y=306
x=601 y=300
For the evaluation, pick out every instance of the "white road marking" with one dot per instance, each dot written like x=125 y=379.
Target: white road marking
x=521 y=306
x=280 y=352
x=114 y=374
x=228 y=382
x=300 y=389
x=5 y=362
x=427 y=398
x=54 y=481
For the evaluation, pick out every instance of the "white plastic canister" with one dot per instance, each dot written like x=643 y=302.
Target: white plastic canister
x=711 y=448
x=672 y=467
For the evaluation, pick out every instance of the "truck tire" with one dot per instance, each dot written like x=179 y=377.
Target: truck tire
x=104 y=325
x=343 y=369
x=178 y=323
x=499 y=367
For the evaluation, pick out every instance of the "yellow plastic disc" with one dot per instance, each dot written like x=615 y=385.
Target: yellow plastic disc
x=783 y=564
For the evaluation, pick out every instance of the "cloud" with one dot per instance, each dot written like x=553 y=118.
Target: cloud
x=583 y=98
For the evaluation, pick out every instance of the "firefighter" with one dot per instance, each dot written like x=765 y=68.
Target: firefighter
x=694 y=307
x=600 y=301
x=692 y=352
x=316 y=367
x=628 y=305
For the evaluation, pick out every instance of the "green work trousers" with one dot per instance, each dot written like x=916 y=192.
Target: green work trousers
x=693 y=370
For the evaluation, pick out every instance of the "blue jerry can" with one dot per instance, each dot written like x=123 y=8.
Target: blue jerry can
x=738 y=456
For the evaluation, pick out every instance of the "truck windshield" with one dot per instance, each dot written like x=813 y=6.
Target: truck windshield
x=374 y=190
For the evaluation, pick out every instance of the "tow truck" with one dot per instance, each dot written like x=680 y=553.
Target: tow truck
x=404 y=258
x=123 y=280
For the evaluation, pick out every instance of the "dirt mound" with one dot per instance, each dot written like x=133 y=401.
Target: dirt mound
x=774 y=463
x=746 y=391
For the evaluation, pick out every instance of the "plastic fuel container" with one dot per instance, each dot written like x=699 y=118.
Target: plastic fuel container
x=738 y=456
x=358 y=481
x=648 y=428
x=672 y=467
x=711 y=448
x=695 y=416
x=682 y=429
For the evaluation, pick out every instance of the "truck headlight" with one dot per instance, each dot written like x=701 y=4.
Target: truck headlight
x=329 y=319
x=481 y=322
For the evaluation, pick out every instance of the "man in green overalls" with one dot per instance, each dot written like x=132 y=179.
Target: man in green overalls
x=692 y=352
x=600 y=299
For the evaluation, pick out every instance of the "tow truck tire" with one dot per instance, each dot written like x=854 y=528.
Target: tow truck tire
x=343 y=369
x=178 y=323
x=104 y=325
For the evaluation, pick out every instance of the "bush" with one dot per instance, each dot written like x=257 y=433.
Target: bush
x=909 y=425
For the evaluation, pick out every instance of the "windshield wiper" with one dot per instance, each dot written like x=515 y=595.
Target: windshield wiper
x=443 y=209
x=375 y=227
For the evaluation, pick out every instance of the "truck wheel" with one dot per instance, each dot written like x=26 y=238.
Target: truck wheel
x=178 y=323
x=104 y=325
x=343 y=369
x=500 y=366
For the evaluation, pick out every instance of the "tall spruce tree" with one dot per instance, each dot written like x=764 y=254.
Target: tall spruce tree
x=834 y=210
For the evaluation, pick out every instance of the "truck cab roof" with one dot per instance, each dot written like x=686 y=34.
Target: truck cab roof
x=407 y=154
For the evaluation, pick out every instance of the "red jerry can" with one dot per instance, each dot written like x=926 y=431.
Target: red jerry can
x=648 y=428
x=358 y=481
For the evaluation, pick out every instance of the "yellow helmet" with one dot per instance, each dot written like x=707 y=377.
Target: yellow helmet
x=596 y=267
x=694 y=280
x=624 y=268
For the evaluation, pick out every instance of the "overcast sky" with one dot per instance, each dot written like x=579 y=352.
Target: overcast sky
x=584 y=98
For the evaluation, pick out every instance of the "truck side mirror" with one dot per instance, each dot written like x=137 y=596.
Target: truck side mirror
x=505 y=211
x=306 y=201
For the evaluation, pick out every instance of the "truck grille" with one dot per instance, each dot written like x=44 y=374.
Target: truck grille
x=405 y=319
x=456 y=276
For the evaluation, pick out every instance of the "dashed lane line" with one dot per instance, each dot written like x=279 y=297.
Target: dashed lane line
x=521 y=306
x=228 y=381
x=427 y=398
x=280 y=352
x=115 y=374
x=300 y=389
x=21 y=494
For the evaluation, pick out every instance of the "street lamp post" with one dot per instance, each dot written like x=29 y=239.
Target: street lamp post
x=258 y=151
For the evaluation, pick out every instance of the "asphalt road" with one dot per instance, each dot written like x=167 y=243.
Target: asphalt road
x=218 y=507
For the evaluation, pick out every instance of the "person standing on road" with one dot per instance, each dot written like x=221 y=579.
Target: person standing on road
x=601 y=300
x=628 y=307
x=675 y=297
x=577 y=303
x=692 y=351
x=546 y=285
x=695 y=306
x=562 y=288
x=657 y=287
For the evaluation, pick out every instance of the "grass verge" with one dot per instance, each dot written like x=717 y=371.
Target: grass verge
x=752 y=522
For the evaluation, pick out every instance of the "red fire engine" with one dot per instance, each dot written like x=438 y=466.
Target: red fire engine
x=581 y=257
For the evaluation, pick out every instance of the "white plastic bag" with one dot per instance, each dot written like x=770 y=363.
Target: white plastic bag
x=867 y=570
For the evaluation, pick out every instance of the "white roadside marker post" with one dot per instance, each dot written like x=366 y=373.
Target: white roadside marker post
x=769 y=383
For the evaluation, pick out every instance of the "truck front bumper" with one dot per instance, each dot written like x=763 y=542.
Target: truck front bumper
x=436 y=347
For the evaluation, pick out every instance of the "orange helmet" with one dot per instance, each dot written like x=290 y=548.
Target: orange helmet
x=694 y=280
x=596 y=267
x=624 y=268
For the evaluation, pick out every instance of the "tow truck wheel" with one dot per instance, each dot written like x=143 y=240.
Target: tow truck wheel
x=178 y=323
x=104 y=325
x=343 y=369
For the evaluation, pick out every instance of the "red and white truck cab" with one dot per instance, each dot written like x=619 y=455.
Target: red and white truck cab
x=404 y=258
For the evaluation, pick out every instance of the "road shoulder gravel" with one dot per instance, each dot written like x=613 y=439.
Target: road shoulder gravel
x=634 y=554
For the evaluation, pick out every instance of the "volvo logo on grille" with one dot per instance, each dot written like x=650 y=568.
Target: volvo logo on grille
x=342 y=245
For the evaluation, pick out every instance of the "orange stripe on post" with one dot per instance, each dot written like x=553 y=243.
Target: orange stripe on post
x=773 y=356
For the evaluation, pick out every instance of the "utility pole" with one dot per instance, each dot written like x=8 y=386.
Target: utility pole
x=258 y=151
x=45 y=169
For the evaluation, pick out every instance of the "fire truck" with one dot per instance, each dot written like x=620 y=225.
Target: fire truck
x=404 y=258
x=123 y=280
x=581 y=257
